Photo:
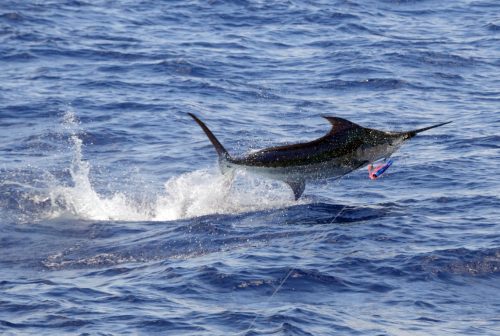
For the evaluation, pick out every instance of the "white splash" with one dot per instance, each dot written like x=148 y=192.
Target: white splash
x=204 y=192
x=198 y=193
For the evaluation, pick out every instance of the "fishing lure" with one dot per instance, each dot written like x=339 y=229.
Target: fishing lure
x=376 y=172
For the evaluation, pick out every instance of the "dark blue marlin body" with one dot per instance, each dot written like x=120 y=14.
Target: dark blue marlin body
x=345 y=148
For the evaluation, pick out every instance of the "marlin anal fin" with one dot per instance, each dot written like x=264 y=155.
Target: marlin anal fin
x=297 y=186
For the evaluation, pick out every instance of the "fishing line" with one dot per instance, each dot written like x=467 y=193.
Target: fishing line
x=280 y=285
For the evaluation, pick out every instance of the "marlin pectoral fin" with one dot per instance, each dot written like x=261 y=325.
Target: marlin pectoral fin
x=297 y=186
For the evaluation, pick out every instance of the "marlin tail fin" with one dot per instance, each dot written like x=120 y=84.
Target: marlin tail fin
x=221 y=151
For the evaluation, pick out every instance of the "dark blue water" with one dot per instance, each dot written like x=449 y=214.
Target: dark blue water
x=115 y=220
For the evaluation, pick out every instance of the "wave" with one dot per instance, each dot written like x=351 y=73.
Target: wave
x=367 y=84
x=461 y=261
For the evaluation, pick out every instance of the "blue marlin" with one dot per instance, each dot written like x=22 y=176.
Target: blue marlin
x=345 y=148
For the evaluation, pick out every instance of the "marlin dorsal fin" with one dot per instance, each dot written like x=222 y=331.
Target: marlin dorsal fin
x=340 y=125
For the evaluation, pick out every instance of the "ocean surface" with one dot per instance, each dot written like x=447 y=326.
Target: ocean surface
x=114 y=218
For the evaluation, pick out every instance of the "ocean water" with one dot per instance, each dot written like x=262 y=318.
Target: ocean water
x=114 y=219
